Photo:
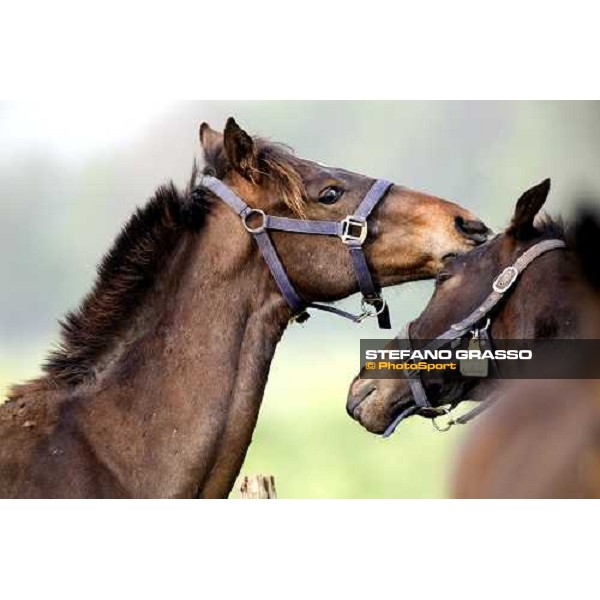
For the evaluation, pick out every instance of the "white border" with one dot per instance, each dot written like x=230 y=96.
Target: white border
x=327 y=50
x=256 y=50
x=295 y=549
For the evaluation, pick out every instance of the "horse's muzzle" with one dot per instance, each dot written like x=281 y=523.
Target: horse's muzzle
x=359 y=390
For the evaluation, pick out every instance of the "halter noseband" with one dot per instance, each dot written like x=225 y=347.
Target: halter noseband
x=501 y=285
x=352 y=231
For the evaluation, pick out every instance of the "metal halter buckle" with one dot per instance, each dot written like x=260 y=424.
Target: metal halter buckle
x=354 y=230
x=250 y=213
x=505 y=279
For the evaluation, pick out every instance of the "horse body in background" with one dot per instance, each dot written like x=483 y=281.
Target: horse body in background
x=156 y=388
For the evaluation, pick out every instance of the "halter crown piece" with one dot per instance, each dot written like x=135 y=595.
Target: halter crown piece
x=352 y=231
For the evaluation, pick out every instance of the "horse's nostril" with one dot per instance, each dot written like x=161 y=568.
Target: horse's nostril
x=472 y=229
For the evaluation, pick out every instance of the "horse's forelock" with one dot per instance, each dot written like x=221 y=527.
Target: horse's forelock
x=275 y=166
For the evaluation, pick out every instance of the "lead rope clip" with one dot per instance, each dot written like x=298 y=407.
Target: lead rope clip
x=443 y=428
x=369 y=309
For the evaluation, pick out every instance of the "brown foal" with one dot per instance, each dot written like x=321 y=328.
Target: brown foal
x=156 y=387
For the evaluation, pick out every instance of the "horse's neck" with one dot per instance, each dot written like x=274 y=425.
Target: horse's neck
x=180 y=402
x=546 y=302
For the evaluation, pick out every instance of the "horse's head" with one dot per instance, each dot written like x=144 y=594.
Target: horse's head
x=410 y=234
x=462 y=286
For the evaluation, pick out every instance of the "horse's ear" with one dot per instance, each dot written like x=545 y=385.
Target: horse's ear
x=210 y=140
x=240 y=150
x=212 y=146
x=528 y=206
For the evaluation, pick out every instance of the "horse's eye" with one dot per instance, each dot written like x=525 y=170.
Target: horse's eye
x=330 y=195
x=443 y=276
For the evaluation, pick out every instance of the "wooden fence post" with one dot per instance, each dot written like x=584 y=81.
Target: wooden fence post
x=258 y=487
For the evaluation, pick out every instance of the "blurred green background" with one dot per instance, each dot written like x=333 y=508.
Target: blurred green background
x=71 y=173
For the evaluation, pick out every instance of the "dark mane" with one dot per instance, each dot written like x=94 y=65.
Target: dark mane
x=551 y=227
x=128 y=271
x=125 y=274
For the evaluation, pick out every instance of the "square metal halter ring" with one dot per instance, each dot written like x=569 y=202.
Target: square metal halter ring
x=354 y=230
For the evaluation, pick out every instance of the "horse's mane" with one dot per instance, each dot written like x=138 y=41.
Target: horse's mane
x=129 y=269
x=125 y=274
x=549 y=226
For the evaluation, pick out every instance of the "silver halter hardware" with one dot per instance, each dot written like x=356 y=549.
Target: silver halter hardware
x=263 y=223
x=505 y=279
x=353 y=230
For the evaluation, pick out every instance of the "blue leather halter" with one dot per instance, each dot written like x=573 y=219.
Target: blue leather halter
x=352 y=231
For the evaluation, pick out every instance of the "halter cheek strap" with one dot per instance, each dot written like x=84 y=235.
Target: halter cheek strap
x=352 y=231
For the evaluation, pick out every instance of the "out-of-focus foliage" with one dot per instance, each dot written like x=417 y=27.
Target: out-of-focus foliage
x=71 y=174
